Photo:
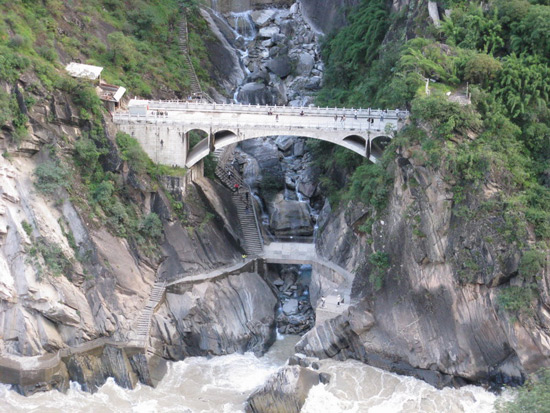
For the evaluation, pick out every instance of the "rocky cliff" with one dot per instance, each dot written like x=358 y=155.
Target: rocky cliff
x=72 y=287
x=433 y=310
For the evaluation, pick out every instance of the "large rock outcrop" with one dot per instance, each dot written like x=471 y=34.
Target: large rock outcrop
x=436 y=314
x=233 y=314
x=327 y=15
x=286 y=391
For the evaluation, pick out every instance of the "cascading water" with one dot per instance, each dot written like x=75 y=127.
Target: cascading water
x=243 y=25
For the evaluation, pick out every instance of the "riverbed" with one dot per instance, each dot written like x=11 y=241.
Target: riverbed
x=222 y=384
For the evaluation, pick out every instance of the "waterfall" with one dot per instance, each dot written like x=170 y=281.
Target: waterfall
x=243 y=25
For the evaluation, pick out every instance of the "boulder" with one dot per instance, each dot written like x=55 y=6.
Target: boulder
x=262 y=17
x=313 y=83
x=258 y=94
x=289 y=217
x=304 y=64
x=285 y=391
x=281 y=66
x=290 y=307
x=299 y=148
x=268 y=32
x=284 y=143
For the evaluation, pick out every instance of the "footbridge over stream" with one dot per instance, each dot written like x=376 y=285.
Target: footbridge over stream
x=162 y=127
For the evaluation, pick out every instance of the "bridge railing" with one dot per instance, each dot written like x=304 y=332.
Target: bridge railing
x=301 y=123
x=185 y=105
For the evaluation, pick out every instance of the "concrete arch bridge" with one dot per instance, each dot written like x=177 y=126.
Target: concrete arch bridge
x=162 y=127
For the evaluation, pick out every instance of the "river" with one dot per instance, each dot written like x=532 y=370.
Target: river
x=222 y=384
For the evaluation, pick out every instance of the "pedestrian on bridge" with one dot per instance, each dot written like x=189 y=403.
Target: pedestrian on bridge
x=355 y=114
x=277 y=117
x=236 y=186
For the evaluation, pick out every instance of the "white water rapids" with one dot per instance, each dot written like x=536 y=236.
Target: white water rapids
x=222 y=384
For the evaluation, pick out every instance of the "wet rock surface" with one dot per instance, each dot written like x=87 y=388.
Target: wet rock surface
x=280 y=56
x=295 y=314
x=285 y=391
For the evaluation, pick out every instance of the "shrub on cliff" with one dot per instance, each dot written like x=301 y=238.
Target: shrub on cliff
x=534 y=397
x=50 y=177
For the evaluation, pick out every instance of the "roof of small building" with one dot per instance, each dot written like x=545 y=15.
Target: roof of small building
x=111 y=93
x=83 y=71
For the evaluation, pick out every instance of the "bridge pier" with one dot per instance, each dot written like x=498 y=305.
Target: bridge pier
x=211 y=141
x=185 y=142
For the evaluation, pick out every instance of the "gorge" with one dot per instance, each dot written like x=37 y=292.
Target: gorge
x=114 y=266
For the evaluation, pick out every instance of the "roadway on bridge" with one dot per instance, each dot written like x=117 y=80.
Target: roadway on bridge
x=228 y=115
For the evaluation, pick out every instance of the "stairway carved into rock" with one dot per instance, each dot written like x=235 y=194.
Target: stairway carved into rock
x=184 y=48
x=244 y=203
x=143 y=323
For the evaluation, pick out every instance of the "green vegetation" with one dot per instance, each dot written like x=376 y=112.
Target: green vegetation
x=53 y=258
x=519 y=299
x=136 y=43
x=380 y=262
x=51 y=176
x=501 y=51
x=27 y=227
x=271 y=185
x=534 y=397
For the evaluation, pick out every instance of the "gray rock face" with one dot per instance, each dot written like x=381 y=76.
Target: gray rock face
x=327 y=15
x=433 y=317
x=258 y=94
x=233 y=314
x=304 y=64
x=281 y=66
x=285 y=391
x=289 y=217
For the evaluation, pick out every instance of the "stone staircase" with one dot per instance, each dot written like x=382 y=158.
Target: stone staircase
x=253 y=241
x=184 y=48
x=143 y=323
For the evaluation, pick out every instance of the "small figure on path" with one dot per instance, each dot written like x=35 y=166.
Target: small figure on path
x=343 y=118
x=244 y=257
x=236 y=186
x=247 y=200
x=323 y=300
x=302 y=113
x=340 y=299
x=161 y=143
x=335 y=118
x=229 y=174
x=277 y=117
x=355 y=114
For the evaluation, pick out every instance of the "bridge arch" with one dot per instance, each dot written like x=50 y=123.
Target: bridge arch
x=377 y=146
x=225 y=137
x=357 y=141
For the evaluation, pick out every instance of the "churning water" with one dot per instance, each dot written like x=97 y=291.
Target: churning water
x=222 y=384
